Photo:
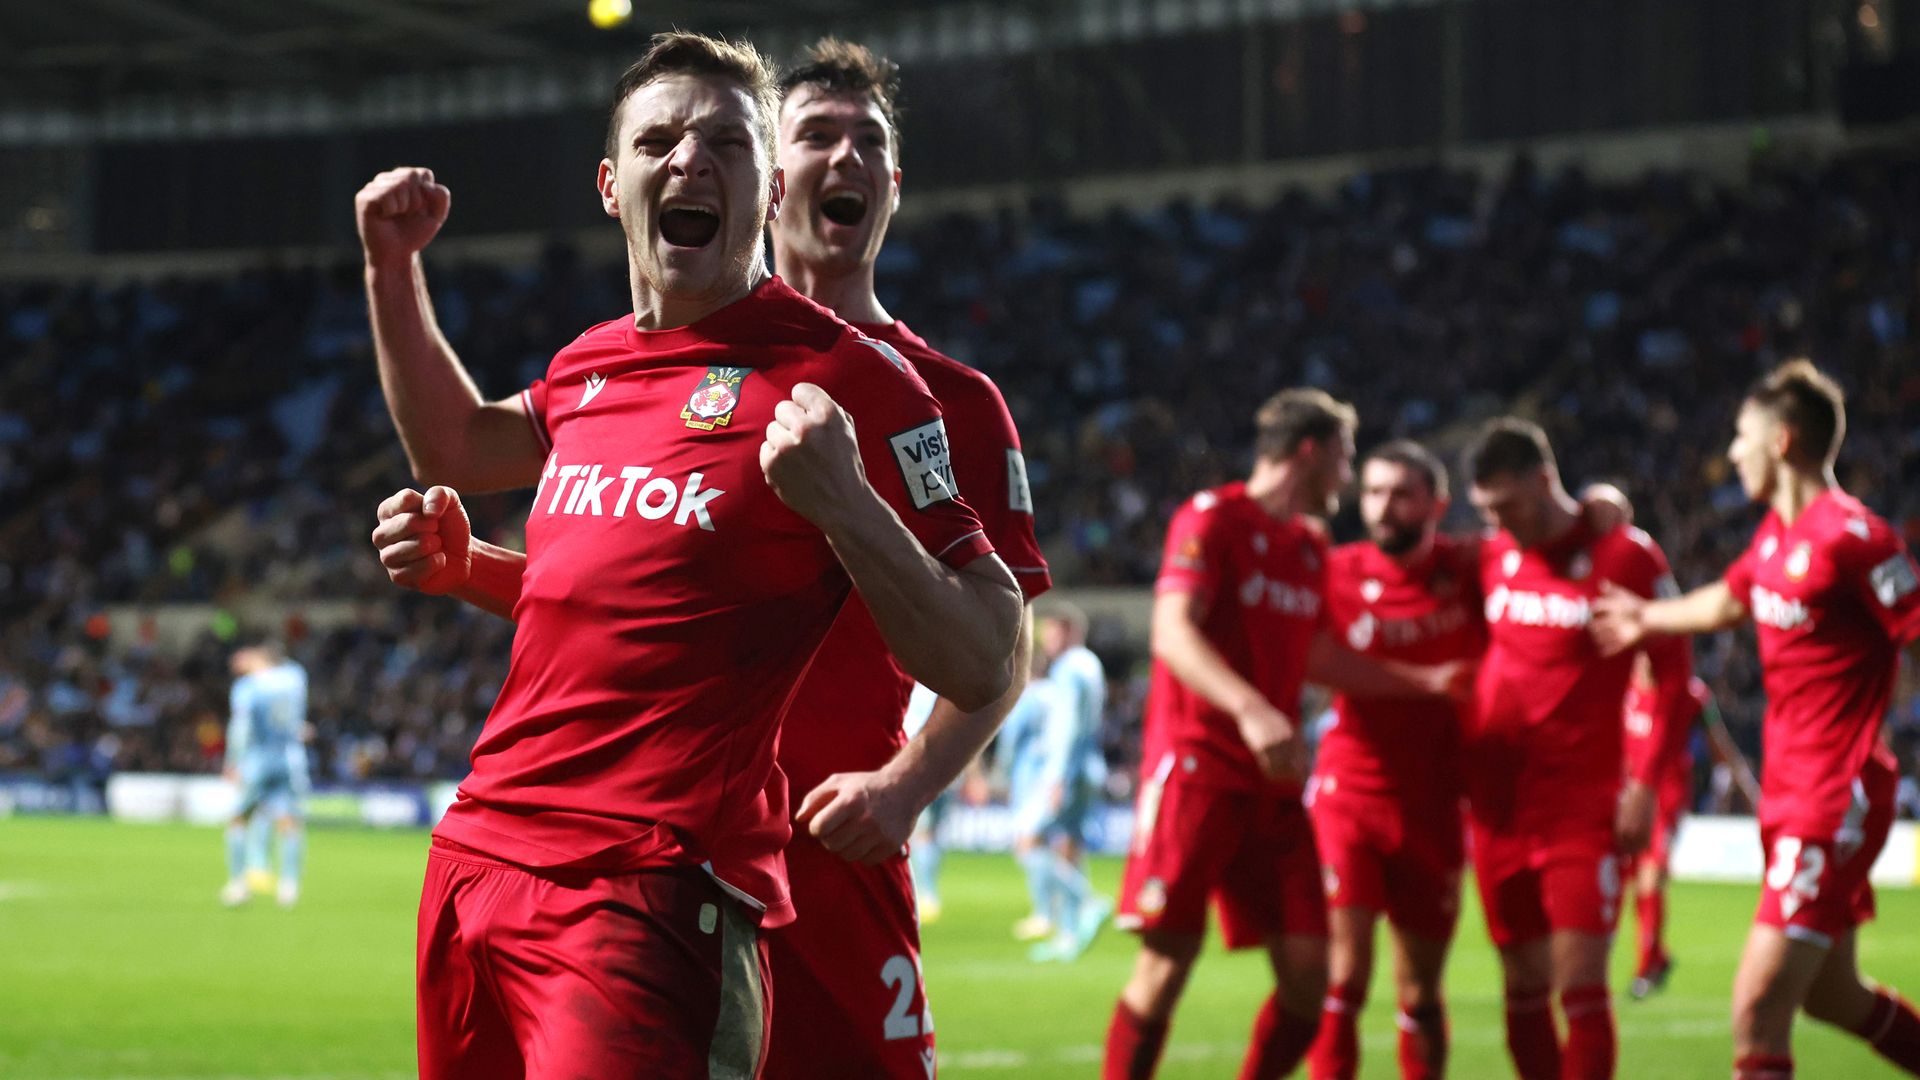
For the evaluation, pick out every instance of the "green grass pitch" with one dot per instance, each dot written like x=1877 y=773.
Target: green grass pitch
x=116 y=961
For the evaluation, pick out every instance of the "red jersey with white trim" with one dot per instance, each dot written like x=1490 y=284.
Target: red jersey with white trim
x=1834 y=596
x=847 y=714
x=1260 y=583
x=1428 y=612
x=671 y=601
x=1545 y=750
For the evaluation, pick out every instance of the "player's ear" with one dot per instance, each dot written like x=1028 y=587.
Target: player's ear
x=776 y=192
x=896 y=190
x=609 y=189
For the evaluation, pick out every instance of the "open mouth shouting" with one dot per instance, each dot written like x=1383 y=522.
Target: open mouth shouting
x=688 y=224
x=844 y=207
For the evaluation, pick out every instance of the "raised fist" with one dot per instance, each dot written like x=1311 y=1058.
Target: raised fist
x=809 y=457
x=399 y=213
x=425 y=541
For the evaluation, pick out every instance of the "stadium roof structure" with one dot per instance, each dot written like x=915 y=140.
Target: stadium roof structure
x=82 y=54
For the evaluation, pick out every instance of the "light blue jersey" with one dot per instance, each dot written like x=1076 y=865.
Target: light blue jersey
x=264 y=744
x=1066 y=749
x=1018 y=749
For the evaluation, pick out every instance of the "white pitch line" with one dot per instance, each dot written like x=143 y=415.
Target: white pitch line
x=1086 y=1053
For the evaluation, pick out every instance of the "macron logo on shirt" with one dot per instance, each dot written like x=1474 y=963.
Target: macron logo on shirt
x=590 y=491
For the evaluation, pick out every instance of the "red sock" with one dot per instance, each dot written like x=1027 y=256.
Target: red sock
x=1336 y=1050
x=1133 y=1046
x=1531 y=1039
x=1423 y=1042
x=1652 y=905
x=1280 y=1040
x=1893 y=1029
x=1763 y=1067
x=1591 y=1042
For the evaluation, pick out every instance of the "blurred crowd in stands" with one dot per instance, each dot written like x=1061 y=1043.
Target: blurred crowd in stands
x=223 y=441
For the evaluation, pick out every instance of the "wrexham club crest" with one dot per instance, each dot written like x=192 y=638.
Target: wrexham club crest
x=714 y=400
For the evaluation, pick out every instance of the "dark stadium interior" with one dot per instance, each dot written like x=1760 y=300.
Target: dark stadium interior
x=214 y=438
x=205 y=434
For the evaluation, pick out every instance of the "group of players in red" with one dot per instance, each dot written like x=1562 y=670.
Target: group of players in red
x=748 y=537
x=1555 y=608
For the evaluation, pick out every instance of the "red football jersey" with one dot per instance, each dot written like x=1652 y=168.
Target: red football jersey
x=847 y=714
x=1546 y=747
x=671 y=601
x=1261 y=585
x=1642 y=703
x=1834 y=598
x=1425 y=613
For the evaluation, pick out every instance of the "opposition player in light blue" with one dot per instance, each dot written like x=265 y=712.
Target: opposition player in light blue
x=1050 y=826
x=267 y=760
x=1018 y=754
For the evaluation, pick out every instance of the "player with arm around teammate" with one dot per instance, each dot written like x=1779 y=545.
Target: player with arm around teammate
x=1385 y=798
x=1238 y=626
x=1835 y=596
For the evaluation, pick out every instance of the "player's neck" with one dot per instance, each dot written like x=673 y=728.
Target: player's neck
x=1798 y=489
x=1562 y=515
x=1278 y=488
x=848 y=295
x=653 y=310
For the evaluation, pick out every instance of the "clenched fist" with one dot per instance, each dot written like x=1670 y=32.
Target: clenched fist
x=810 y=458
x=399 y=213
x=425 y=541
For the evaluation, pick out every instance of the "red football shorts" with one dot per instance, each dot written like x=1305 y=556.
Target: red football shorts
x=1533 y=884
x=1386 y=854
x=848 y=970
x=1252 y=853
x=658 y=973
x=1817 y=889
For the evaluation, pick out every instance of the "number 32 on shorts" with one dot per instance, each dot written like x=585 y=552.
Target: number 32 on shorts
x=1795 y=873
x=903 y=975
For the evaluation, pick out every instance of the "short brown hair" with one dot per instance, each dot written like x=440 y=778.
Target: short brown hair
x=678 y=52
x=1413 y=457
x=1291 y=417
x=1810 y=404
x=1508 y=446
x=834 y=66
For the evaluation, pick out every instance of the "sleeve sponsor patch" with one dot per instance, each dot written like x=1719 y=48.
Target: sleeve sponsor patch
x=1893 y=580
x=925 y=466
x=1019 y=495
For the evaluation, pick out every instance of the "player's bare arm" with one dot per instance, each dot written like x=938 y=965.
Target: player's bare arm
x=954 y=631
x=1622 y=619
x=1179 y=643
x=867 y=816
x=451 y=433
x=426 y=544
x=1671 y=661
x=1339 y=668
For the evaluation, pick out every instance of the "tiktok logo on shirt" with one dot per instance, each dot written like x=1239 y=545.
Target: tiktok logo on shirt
x=1780 y=612
x=1280 y=596
x=1538 y=609
x=588 y=490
